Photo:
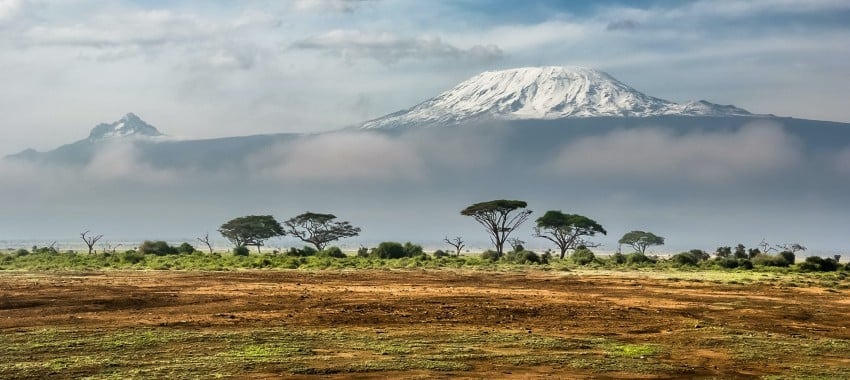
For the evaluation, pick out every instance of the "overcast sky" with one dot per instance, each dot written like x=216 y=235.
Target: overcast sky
x=221 y=68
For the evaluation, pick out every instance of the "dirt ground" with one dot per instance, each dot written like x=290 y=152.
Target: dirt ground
x=684 y=328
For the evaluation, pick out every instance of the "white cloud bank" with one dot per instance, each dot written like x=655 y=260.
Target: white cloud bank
x=753 y=151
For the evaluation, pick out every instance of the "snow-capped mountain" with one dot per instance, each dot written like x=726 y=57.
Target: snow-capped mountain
x=551 y=92
x=128 y=126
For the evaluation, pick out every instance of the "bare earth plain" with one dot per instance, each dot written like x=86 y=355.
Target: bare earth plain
x=452 y=324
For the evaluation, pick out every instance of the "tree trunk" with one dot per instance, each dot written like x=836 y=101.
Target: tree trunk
x=563 y=252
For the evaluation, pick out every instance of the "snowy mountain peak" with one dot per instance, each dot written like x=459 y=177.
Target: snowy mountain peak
x=551 y=92
x=128 y=126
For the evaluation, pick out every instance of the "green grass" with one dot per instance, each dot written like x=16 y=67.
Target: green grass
x=176 y=353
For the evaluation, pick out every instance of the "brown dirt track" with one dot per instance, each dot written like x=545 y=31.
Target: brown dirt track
x=705 y=329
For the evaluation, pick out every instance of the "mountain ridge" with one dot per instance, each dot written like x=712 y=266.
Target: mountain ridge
x=548 y=92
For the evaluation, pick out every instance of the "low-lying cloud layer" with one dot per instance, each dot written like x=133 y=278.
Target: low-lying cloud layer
x=662 y=154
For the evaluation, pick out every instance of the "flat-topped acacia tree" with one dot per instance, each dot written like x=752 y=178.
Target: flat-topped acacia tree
x=641 y=240
x=499 y=217
x=251 y=230
x=319 y=229
x=566 y=230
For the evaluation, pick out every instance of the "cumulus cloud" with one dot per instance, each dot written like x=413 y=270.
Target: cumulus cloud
x=389 y=48
x=657 y=154
x=340 y=157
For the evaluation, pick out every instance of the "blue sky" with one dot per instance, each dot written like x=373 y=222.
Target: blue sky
x=220 y=68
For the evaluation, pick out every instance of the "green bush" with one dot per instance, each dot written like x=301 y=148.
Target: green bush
x=522 y=257
x=490 y=255
x=334 y=252
x=22 y=252
x=158 y=248
x=819 y=264
x=389 y=250
x=582 y=256
x=241 y=251
x=685 y=259
x=726 y=262
x=788 y=256
x=185 y=248
x=413 y=250
x=770 y=260
x=637 y=258
x=305 y=251
x=363 y=252
x=618 y=258
x=131 y=257
x=440 y=253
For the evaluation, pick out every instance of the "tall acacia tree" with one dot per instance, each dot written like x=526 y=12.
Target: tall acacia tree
x=640 y=240
x=499 y=217
x=566 y=230
x=251 y=230
x=319 y=229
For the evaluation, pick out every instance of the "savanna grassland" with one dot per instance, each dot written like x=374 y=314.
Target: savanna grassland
x=484 y=322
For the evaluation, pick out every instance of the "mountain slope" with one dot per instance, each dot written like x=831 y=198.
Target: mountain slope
x=542 y=93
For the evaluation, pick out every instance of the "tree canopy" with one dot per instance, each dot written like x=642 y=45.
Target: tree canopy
x=640 y=240
x=566 y=230
x=251 y=230
x=499 y=217
x=319 y=229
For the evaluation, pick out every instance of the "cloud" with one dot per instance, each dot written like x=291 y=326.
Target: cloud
x=841 y=161
x=9 y=8
x=346 y=6
x=655 y=154
x=340 y=157
x=622 y=25
x=122 y=162
x=390 y=48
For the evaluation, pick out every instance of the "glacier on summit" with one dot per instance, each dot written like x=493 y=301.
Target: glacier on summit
x=128 y=126
x=551 y=92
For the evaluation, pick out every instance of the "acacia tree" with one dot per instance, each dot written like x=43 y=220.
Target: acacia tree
x=90 y=240
x=319 y=229
x=566 y=230
x=640 y=240
x=456 y=242
x=251 y=230
x=499 y=217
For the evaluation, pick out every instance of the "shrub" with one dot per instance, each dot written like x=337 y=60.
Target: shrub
x=334 y=252
x=490 y=255
x=700 y=254
x=522 y=257
x=725 y=262
x=131 y=257
x=389 y=250
x=788 y=256
x=363 y=252
x=305 y=251
x=685 y=259
x=637 y=258
x=413 y=250
x=185 y=248
x=819 y=264
x=582 y=256
x=159 y=248
x=770 y=260
x=241 y=251
x=746 y=264
x=22 y=252
x=618 y=258
x=440 y=253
